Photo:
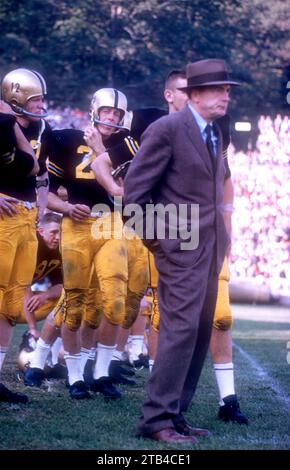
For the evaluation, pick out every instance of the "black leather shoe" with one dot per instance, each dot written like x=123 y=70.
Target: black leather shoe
x=187 y=430
x=79 y=391
x=230 y=411
x=33 y=377
x=58 y=371
x=169 y=435
x=12 y=397
x=104 y=385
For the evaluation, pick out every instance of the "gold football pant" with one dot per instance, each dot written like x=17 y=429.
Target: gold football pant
x=40 y=314
x=138 y=278
x=223 y=318
x=18 y=251
x=95 y=244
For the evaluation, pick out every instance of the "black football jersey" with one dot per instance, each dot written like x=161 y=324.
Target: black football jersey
x=14 y=163
x=48 y=264
x=39 y=136
x=70 y=166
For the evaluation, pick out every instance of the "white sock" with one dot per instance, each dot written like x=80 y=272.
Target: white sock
x=55 y=348
x=117 y=355
x=40 y=354
x=104 y=357
x=225 y=379
x=136 y=347
x=92 y=355
x=3 y=352
x=84 y=357
x=151 y=364
x=73 y=363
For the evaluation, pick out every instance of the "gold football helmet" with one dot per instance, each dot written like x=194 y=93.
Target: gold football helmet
x=24 y=359
x=111 y=98
x=19 y=86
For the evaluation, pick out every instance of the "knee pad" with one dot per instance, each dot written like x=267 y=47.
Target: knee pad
x=223 y=318
x=74 y=308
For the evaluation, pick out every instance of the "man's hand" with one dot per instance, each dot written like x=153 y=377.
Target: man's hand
x=36 y=301
x=94 y=140
x=6 y=108
x=8 y=206
x=79 y=212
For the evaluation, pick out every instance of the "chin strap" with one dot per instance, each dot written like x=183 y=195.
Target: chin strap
x=97 y=122
x=23 y=112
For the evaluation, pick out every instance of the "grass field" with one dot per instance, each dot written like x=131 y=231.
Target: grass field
x=53 y=421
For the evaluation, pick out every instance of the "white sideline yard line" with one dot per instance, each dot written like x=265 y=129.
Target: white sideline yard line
x=274 y=385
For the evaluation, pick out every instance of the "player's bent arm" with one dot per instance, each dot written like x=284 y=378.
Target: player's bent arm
x=102 y=168
x=24 y=145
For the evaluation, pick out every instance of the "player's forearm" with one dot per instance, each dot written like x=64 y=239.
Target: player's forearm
x=56 y=204
x=102 y=168
x=29 y=316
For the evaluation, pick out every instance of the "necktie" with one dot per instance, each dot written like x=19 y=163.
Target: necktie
x=209 y=143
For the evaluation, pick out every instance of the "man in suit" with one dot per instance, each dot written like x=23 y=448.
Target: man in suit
x=181 y=156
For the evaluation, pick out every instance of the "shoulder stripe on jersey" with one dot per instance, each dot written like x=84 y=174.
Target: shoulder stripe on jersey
x=55 y=166
x=55 y=171
x=55 y=174
x=132 y=145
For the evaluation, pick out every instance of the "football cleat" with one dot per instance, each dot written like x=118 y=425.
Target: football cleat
x=231 y=411
x=33 y=377
x=116 y=373
x=79 y=391
x=57 y=372
x=8 y=396
x=104 y=385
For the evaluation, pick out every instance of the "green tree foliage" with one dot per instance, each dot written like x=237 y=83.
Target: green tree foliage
x=83 y=45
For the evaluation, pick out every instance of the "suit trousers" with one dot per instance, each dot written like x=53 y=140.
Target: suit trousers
x=187 y=298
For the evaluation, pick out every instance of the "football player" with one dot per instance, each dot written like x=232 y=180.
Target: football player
x=18 y=242
x=25 y=90
x=93 y=248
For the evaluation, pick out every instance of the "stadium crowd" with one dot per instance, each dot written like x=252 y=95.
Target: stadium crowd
x=261 y=228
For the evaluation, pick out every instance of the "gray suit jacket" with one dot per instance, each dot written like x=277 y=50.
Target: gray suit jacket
x=173 y=166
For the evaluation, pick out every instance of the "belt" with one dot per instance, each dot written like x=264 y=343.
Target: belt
x=27 y=204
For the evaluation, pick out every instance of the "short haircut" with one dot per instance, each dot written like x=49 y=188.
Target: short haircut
x=50 y=217
x=172 y=76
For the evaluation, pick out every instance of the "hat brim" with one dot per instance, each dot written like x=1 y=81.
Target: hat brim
x=228 y=82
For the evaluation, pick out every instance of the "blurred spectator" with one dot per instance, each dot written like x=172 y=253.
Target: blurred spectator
x=67 y=118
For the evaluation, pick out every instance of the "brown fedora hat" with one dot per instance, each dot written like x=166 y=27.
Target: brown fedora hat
x=207 y=72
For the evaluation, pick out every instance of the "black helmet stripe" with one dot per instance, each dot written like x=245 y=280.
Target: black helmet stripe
x=116 y=100
x=43 y=84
